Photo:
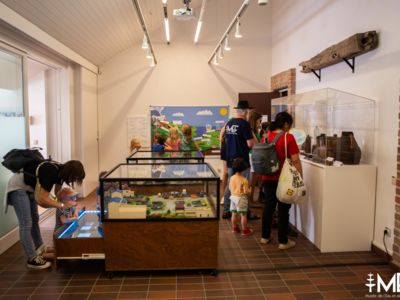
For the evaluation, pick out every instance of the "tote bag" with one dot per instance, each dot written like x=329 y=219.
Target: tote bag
x=291 y=188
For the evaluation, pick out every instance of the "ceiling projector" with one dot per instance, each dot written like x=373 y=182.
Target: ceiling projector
x=184 y=13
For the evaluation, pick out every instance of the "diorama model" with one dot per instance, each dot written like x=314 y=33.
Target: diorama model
x=327 y=149
x=126 y=204
x=87 y=225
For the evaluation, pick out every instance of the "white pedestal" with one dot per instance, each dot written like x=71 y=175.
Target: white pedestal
x=338 y=214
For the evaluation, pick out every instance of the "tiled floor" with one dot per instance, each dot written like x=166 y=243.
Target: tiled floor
x=248 y=270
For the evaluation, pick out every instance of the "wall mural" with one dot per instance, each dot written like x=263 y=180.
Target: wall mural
x=206 y=123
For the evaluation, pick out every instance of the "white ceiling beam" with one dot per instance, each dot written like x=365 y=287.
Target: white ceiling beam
x=22 y=24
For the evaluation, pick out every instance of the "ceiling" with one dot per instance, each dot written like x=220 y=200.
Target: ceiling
x=97 y=29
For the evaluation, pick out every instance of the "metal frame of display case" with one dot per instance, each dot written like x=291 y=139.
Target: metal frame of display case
x=105 y=179
x=184 y=160
x=161 y=244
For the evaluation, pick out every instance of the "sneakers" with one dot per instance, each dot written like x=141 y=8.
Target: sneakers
x=44 y=249
x=265 y=241
x=226 y=215
x=236 y=229
x=38 y=263
x=247 y=232
x=288 y=245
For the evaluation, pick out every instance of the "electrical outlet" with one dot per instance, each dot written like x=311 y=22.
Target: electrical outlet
x=388 y=232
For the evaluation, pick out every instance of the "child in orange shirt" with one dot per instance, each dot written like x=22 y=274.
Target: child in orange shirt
x=239 y=187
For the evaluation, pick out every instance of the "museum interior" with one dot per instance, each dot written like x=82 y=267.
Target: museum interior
x=111 y=82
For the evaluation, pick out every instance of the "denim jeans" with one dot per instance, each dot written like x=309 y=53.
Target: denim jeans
x=27 y=213
x=227 y=193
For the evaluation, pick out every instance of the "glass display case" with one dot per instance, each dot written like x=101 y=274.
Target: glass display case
x=160 y=192
x=142 y=156
x=82 y=238
x=331 y=127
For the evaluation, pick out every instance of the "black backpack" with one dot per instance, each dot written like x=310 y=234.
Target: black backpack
x=264 y=157
x=17 y=159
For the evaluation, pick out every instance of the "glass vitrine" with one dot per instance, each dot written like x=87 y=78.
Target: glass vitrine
x=331 y=125
x=160 y=192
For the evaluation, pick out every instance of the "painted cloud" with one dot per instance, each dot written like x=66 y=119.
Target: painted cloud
x=204 y=113
x=178 y=114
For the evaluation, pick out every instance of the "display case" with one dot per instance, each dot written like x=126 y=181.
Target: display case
x=335 y=131
x=142 y=156
x=160 y=216
x=332 y=126
x=80 y=239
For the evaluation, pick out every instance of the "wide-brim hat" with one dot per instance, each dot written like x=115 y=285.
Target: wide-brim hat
x=243 y=104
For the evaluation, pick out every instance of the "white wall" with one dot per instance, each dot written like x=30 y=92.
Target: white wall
x=37 y=112
x=302 y=29
x=128 y=86
x=85 y=122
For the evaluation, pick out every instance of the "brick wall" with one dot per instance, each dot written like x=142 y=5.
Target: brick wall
x=396 y=231
x=285 y=79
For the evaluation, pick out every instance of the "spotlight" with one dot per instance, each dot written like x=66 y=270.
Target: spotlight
x=149 y=55
x=238 y=35
x=216 y=63
x=220 y=53
x=227 y=47
x=145 y=44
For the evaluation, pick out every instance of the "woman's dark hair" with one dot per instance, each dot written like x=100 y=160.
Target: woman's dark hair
x=72 y=172
x=239 y=165
x=253 y=117
x=264 y=127
x=280 y=120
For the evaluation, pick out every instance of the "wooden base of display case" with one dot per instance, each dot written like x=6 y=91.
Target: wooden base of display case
x=161 y=245
x=79 y=248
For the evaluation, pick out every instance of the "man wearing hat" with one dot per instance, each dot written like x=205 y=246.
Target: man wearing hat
x=239 y=140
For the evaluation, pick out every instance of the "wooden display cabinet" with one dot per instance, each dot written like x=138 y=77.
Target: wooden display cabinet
x=180 y=229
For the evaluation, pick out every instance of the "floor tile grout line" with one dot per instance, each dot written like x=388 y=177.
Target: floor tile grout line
x=120 y=287
x=94 y=284
x=259 y=286
x=148 y=286
x=5 y=292
x=65 y=286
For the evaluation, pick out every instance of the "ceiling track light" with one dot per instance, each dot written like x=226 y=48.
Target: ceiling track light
x=215 y=62
x=166 y=22
x=235 y=19
x=227 y=47
x=238 y=35
x=220 y=52
x=200 y=22
x=140 y=16
x=145 y=44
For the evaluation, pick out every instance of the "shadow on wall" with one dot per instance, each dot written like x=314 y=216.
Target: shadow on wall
x=120 y=80
x=244 y=79
x=287 y=10
x=116 y=124
x=230 y=91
